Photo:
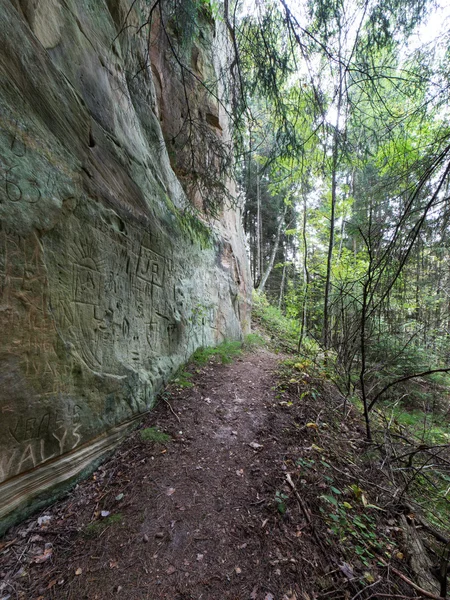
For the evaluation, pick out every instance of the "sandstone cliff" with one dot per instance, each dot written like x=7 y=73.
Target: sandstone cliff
x=107 y=281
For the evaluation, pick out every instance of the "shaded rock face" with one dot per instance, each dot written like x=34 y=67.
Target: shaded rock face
x=102 y=293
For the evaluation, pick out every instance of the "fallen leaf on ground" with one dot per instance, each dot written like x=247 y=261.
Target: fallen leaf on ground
x=44 y=520
x=347 y=570
x=43 y=557
x=255 y=445
x=78 y=571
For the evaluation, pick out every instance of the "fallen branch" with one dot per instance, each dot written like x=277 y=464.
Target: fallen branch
x=394 y=596
x=406 y=378
x=299 y=500
x=171 y=410
x=431 y=530
x=425 y=593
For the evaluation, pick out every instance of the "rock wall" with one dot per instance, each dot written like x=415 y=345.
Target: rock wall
x=106 y=284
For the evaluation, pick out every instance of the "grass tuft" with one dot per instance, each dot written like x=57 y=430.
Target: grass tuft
x=97 y=527
x=224 y=353
x=152 y=434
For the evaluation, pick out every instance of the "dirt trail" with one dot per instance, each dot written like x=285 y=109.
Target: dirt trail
x=195 y=519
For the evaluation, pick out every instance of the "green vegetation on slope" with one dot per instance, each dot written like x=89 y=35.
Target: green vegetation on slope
x=411 y=426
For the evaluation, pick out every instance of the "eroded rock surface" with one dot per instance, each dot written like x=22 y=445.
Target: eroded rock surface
x=103 y=294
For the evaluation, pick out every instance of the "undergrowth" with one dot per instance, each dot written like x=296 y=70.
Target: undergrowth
x=97 y=527
x=152 y=434
x=283 y=330
x=406 y=467
x=227 y=351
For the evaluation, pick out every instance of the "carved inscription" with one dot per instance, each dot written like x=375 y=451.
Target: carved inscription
x=150 y=266
x=38 y=439
x=26 y=325
x=118 y=296
x=87 y=283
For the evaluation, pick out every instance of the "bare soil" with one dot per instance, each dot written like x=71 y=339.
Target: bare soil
x=230 y=508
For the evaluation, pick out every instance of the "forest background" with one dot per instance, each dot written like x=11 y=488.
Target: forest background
x=340 y=146
x=341 y=150
x=344 y=175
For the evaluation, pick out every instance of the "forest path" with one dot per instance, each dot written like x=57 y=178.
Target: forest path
x=193 y=519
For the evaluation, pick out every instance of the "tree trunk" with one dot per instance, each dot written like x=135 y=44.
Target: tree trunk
x=273 y=254
x=303 y=324
x=335 y=161
x=334 y=167
x=258 y=272
x=283 y=279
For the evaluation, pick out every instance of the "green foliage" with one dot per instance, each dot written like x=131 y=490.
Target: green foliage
x=280 y=502
x=97 y=527
x=357 y=531
x=284 y=330
x=253 y=340
x=425 y=427
x=153 y=434
x=224 y=353
x=395 y=358
x=211 y=8
x=182 y=379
